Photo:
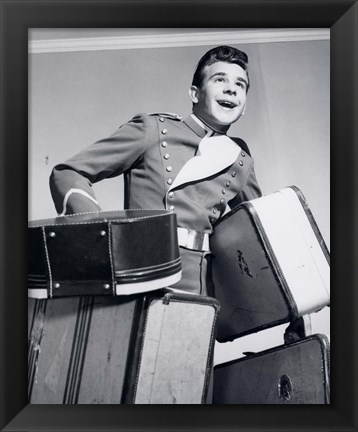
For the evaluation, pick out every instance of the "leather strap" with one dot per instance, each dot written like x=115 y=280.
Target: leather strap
x=192 y=239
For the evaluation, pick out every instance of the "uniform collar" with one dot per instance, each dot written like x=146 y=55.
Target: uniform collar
x=196 y=126
x=199 y=127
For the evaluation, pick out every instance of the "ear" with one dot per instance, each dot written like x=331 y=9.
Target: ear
x=193 y=94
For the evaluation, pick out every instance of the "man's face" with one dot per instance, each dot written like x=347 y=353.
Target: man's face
x=221 y=99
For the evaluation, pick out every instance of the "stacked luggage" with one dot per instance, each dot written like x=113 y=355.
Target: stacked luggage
x=104 y=328
x=270 y=267
x=90 y=342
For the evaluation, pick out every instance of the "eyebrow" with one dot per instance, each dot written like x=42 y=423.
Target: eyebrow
x=224 y=74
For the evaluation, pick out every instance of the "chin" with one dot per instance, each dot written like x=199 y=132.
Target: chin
x=227 y=119
x=226 y=122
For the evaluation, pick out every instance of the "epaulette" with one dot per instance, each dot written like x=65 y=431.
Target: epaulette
x=168 y=115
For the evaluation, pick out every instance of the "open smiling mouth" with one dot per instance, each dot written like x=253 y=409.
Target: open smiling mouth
x=226 y=104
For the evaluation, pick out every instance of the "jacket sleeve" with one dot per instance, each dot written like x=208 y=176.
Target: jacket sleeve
x=71 y=181
x=251 y=189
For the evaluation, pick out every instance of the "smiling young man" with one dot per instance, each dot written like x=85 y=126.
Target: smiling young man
x=188 y=165
x=219 y=97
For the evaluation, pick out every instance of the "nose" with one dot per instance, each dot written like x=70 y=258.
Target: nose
x=230 y=88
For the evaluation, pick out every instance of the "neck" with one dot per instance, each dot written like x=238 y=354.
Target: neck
x=219 y=129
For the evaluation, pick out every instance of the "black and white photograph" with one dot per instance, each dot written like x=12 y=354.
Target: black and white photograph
x=179 y=216
x=176 y=179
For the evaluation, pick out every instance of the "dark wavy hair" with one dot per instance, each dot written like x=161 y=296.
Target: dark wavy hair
x=221 y=53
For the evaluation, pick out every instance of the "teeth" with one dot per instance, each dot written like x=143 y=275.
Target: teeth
x=226 y=104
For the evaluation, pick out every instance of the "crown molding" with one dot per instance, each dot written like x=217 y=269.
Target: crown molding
x=177 y=40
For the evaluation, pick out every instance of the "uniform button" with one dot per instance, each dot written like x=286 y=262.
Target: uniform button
x=223 y=191
x=212 y=219
x=171 y=207
x=171 y=194
x=241 y=163
x=243 y=154
x=233 y=173
x=161 y=119
x=164 y=131
x=169 y=168
x=166 y=156
x=214 y=210
x=170 y=181
x=228 y=183
x=222 y=201
x=164 y=144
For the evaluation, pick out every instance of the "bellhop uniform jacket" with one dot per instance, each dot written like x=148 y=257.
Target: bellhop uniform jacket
x=151 y=150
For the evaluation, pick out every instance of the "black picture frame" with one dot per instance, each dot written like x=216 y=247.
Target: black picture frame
x=17 y=16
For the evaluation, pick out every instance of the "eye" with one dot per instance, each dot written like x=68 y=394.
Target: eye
x=219 y=79
x=241 y=84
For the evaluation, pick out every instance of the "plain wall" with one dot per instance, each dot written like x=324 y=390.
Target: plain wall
x=76 y=98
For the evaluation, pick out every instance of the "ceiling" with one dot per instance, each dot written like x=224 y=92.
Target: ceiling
x=75 y=33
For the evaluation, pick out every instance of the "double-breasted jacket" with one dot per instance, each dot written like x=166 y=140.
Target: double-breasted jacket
x=156 y=154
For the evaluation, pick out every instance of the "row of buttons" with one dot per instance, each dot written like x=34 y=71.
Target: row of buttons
x=169 y=169
x=227 y=184
x=166 y=157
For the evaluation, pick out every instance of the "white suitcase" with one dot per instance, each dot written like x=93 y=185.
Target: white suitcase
x=270 y=264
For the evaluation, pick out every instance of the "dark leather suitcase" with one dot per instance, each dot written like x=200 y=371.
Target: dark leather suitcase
x=103 y=253
x=296 y=373
x=270 y=264
x=154 y=348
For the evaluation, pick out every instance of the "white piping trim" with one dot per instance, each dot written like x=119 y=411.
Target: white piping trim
x=141 y=287
x=69 y=193
x=47 y=260
x=128 y=288
x=240 y=36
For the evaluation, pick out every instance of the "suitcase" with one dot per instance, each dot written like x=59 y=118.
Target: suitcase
x=296 y=373
x=154 y=348
x=270 y=264
x=107 y=253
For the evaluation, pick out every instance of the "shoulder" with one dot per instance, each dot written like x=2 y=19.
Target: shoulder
x=166 y=115
x=242 y=144
x=151 y=119
x=157 y=115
